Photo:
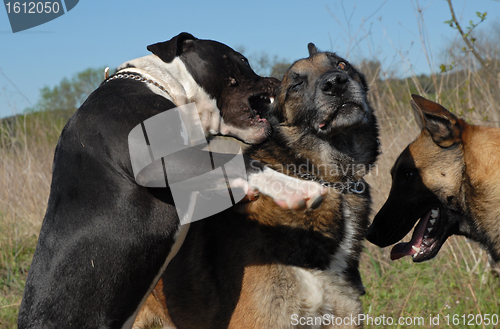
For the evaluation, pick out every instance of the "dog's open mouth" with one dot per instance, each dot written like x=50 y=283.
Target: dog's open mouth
x=427 y=238
x=346 y=115
x=245 y=120
x=259 y=104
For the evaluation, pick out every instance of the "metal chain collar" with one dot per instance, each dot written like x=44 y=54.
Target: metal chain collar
x=136 y=77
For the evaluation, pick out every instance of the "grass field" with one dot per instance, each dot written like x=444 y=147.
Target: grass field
x=456 y=285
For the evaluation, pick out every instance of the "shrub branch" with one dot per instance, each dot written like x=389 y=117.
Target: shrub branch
x=465 y=37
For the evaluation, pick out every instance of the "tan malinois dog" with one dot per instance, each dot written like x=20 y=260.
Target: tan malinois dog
x=449 y=178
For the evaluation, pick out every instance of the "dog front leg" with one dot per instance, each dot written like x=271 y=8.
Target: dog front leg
x=254 y=179
x=288 y=192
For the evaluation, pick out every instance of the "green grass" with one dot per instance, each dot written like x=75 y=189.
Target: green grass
x=443 y=286
x=15 y=258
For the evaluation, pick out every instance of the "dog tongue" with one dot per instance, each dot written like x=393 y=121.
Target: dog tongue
x=405 y=248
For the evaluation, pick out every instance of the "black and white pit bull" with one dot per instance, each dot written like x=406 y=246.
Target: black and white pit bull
x=105 y=240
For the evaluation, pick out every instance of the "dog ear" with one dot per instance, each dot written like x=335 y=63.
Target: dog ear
x=168 y=50
x=417 y=113
x=312 y=49
x=443 y=126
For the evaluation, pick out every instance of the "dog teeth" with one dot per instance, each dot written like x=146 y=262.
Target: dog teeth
x=417 y=249
x=426 y=236
x=271 y=99
x=429 y=229
x=435 y=213
x=432 y=221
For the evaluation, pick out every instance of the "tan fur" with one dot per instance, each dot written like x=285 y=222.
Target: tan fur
x=477 y=159
x=455 y=170
x=249 y=312
x=482 y=159
x=440 y=171
x=153 y=313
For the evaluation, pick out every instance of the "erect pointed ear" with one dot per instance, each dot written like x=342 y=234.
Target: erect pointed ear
x=417 y=113
x=445 y=128
x=312 y=49
x=168 y=50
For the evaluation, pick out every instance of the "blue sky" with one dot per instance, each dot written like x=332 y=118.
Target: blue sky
x=108 y=33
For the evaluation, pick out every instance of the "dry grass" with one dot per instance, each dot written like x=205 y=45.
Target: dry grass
x=26 y=150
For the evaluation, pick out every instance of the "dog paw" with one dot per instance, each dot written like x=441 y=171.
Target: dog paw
x=287 y=192
x=251 y=192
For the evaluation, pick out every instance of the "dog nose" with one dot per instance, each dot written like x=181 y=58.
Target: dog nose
x=334 y=83
x=371 y=235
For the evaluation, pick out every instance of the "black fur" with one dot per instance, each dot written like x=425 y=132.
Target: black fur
x=104 y=238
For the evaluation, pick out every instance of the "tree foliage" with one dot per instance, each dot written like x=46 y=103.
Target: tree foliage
x=479 y=47
x=69 y=94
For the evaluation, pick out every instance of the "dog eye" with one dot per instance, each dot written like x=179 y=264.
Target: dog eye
x=409 y=175
x=297 y=85
x=233 y=82
x=342 y=65
x=244 y=60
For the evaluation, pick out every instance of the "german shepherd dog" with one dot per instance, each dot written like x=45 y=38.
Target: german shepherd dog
x=449 y=177
x=268 y=267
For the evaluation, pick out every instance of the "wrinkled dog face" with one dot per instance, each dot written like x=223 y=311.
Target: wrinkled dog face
x=327 y=95
x=242 y=96
x=226 y=76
